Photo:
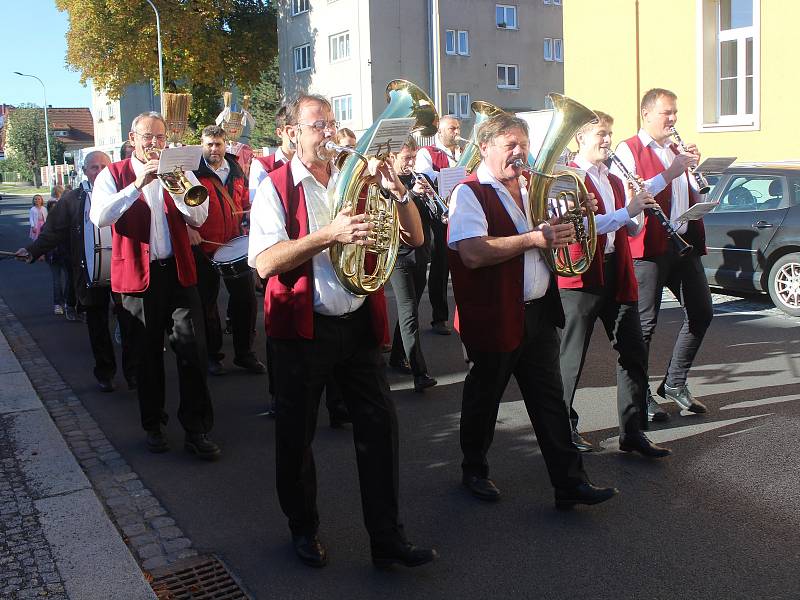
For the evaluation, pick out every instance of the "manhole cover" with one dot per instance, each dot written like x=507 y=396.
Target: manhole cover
x=198 y=578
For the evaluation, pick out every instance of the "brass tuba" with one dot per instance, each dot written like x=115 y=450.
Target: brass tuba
x=471 y=156
x=365 y=269
x=568 y=117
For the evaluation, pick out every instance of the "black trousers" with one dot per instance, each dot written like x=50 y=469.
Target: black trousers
x=345 y=349
x=408 y=283
x=686 y=279
x=582 y=308
x=439 y=273
x=535 y=366
x=168 y=306
x=241 y=308
x=105 y=364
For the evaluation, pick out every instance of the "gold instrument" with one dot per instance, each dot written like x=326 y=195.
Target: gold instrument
x=365 y=269
x=176 y=116
x=568 y=117
x=471 y=156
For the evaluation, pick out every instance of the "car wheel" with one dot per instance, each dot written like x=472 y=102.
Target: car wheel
x=784 y=284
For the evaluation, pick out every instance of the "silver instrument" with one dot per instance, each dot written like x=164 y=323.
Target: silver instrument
x=433 y=199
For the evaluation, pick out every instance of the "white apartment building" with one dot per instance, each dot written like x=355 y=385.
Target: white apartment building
x=508 y=53
x=112 y=118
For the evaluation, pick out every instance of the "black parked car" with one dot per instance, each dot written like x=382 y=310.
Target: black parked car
x=753 y=236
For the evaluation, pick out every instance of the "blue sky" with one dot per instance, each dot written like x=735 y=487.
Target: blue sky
x=33 y=38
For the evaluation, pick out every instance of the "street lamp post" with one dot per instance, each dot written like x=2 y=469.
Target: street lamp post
x=46 y=125
x=160 y=59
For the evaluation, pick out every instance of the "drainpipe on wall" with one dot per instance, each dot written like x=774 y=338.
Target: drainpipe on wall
x=434 y=59
x=638 y=72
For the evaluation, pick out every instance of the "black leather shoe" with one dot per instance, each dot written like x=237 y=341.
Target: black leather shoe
x=215 y=368
x=251 y=364
x=402 y=553
x=105 y=385
x=401 y=366
x=310 y=550
x=338 y=418
x=133 y=382
x=199 y=445
x=157 y=441
x=421 y=382
x=640 y=443
x=654 y=410
x=481 y=487
x=582 y=444
x=441 y=327
x=682 y=397
x=583 y=493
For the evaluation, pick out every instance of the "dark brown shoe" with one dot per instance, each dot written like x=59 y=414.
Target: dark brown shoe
x=310 y=550
x=157 y=441
x=202 y=447
x=402 y=553
x=481 y=487
x=639 y=442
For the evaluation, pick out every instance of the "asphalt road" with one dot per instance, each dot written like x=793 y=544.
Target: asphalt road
x=718 y=519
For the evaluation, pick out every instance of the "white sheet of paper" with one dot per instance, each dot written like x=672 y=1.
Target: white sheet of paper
x=450 y=178
x=185 y=158
x=698 y=211
x=390 y=134
x=716 y=164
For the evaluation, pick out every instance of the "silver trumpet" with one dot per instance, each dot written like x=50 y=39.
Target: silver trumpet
x=699 y=178
x=434 y=200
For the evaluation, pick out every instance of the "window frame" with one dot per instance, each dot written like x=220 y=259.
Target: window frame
x=506 y=86
x=298 y=4
x=459 y=50
x=335 y=37
x=341 y=117
x=299 y=49
x=505 y=8
x=454 y=98
x=547 y=49
x=450 y=36
x=558 y=50
x=464 y=113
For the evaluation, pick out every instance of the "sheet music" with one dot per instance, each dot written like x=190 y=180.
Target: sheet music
x=715 y=165
x=390 y=135
x=563 y=184
x=450 y=178
x=698 y=211
x=185 y=158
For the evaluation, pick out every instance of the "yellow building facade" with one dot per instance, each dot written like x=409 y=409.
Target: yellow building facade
x=732 y=63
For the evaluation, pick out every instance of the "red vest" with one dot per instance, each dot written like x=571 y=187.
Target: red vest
x=594 y=277
x=490 y=313
x=289 y=297
x=269 y=163
x=653 y=240
x=439 y=158
x=130 y=241
x=221 y=225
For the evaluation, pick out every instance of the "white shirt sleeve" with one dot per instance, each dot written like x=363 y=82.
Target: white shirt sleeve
x=611 y=222
x=257 y=174
x=424 y=165
x=193 y=215
x=466 y=217
x=653 y=185
x=33 y=216
x=267 y=221
x=108 y=205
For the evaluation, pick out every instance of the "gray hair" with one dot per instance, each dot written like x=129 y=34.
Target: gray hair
x=147 y=115
x=90 y=156
x=498 y=125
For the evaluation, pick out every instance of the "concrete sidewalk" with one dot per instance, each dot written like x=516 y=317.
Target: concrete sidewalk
x=56 y=540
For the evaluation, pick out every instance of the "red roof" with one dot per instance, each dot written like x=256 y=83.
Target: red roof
x=76 y=122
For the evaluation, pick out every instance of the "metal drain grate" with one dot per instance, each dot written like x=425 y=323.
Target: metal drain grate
x=198 y=578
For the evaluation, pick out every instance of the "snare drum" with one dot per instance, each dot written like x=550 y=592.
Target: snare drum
x=230 y=260
x=97 y=253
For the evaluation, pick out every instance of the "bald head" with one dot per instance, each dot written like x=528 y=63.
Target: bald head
x=449 y=131
x=95 y=162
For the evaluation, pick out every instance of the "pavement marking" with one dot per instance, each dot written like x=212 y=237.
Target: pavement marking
x=761 y=402
x=448 y=379
x=741 y=431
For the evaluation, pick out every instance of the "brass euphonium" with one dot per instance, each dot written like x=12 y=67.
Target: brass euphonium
x=365 y=269
x=471 y=156
x=568 y=117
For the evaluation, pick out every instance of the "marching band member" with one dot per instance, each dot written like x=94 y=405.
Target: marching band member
x=154 y=270
x=262 y=165
x=228 y=200
x=430 y=160
x=650 y=155
x=507 y=311
x=607 y=292
x=318 y=329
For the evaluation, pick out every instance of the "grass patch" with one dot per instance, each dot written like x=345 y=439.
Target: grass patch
x=18 y=189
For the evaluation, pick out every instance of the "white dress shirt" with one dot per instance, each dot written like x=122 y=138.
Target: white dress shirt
x=222 y=172
x=613 y=218
x=108 y=205
x=467 y=220
x=424 y=163
x=258 y=173
x=654 y=185
x=268 y=227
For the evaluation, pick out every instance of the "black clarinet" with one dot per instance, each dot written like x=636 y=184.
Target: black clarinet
x=682 y=247
x=699 y=178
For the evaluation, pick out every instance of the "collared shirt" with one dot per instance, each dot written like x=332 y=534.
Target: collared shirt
x=268 y=227
x=467 y=220
x=258 y=173
x=613 y=218
x=222 y=172
x=654 y=185
x=108 y=205
x=424 y=162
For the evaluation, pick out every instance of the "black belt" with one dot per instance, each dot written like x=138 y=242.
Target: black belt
x=162 y=262
x=533 y=302
x=344 y=317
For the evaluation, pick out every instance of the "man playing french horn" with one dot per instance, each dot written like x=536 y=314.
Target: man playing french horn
x=507 y=311
x=319 y=329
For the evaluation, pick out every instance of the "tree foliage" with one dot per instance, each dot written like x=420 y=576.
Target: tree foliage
x=26 y=140
x=265 y=103
x=212 y=43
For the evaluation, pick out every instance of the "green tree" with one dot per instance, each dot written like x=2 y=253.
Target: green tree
x=265 y=102
x=26 y=140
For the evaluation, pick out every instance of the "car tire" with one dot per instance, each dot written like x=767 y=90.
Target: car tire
x=784 y=284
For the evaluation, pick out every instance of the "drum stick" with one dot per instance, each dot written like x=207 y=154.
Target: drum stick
x=210 y=242
x=9 y=254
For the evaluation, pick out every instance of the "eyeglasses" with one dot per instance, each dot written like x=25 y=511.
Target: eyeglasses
x=148 y=137
x=322 y=125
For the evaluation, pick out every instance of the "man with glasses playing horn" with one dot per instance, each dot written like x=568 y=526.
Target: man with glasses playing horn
x=153 y=268
x=228 y=200
x=607 y=292
x=318 y=329
x=507 y=311
x=652 y=156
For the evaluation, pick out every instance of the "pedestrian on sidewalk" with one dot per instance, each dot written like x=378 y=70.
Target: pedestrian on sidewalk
x=38 y=215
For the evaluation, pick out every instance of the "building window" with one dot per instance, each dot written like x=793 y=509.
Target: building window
x=548 y=49
x=556 y=2
x=558 y=50
x=299 y=6
x=463 y=105
x=452 y=101
x=507 y=76
x=463 y=43
x=339 y=45
x=729 y=43
x=505 y=16
x=342 y=107
x=450 y=41
x=302 y=58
